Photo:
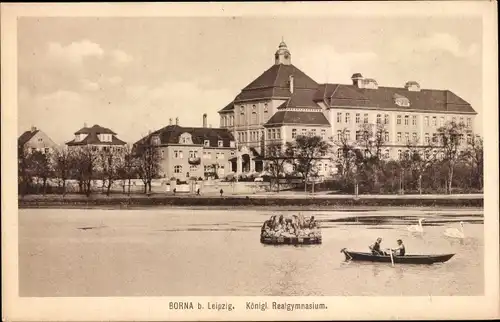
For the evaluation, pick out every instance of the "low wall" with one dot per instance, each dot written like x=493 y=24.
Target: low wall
x=82 y=201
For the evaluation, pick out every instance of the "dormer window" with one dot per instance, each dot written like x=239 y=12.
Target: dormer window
x=185 y=138
x=242 y=110
x=220 y=143
x=266 y=109
x=400 y=100
x=155 y=140
x=206 y=143
x=254 y=108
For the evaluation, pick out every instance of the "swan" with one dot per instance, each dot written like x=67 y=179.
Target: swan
x=417 y=228
x=454 y=232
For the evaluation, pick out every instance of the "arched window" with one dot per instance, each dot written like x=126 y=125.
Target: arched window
x=399 y=154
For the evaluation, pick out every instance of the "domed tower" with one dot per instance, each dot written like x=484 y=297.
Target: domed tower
x=282 y=55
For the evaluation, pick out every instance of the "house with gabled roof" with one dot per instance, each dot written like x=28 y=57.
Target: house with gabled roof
x=284 y=102
x=187 y=152
x=36 y=140
x=96 y=137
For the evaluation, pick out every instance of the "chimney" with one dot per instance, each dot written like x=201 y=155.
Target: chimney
x=177 y=121
x=33 y=128
x=170 y=121
x=291 y=83
x=205 y=120
x=357 y=80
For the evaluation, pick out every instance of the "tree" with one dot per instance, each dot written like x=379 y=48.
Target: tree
x=84 y=167
x=475 y=156
x=419 y=158
x=127 y=169
x=148 y=164
x=63 y=160
x=23 y=171
x=304 y=153
x=111 y=163
x=450 y=137
x=41 y=167
x=276 y=156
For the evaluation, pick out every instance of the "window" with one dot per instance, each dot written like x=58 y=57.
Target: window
x=266 y=109
x=313 y=132
x=434 y=137
x=273 y=133
x=407 y=118
x=386 y=154
x=441 y=121
x=339 y=153
x=320 y=166
x=242 y=110
x=207 y=142
x=414 y=120
x=178 y=169
x=40 y=139
x=347 y=117
x=269 y=134
x=379 y=118
x=162 y=154
x=414 y=137
x=347 y=135
x=33 y=150
x=193 y=167
x=365 y=118
x=326 y=167
x=399 y=154
x=469 y=122
x=339 y=117
x=323 y=133
x=304 y=131
x=427 y=138
x=220 y=143
x=461 y=121
x=426 y=121
x=339 y=135
x=462 y=139
x=386 y=119
x=469 y=139
x=358 y=118
x=407 y=137
x=386 y=136
x=46 y=150
x=358 y=135
x=192 y=154
x=398 y=120
x=398 y=136
x=176 y=154
x=434 y=121
x=254 y=109
x=294 y=133
x=278 y=133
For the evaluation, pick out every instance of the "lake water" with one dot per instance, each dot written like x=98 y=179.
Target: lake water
x=180 y=252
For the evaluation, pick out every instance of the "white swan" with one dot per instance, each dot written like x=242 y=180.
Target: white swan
x=417 y=228
x=454 y=232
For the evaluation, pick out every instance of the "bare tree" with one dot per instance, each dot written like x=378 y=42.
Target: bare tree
x=62 y=160
x=41 y=167
x=127 y=167
x=475 y=158
x=418 y=158
x=84 y=167
x=346 y=156
x=450 y=137
x=111 y=163
x=304 y=154
x=148 y=164
x=276 y=156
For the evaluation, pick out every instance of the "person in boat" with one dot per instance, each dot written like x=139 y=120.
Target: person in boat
x=400 y=250
x=375 y=248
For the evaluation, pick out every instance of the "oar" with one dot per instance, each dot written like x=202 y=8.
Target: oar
x=392 y=258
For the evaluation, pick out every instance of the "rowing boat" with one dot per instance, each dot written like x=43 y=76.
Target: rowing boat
x=406 y=259
x=285 y=240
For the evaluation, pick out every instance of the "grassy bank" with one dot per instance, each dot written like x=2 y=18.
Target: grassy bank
x=79 y=201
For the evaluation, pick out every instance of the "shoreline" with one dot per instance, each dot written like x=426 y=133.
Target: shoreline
x=292 y=202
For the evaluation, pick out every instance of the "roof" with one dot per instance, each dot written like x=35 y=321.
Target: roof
x=93 y=138
x=278 y=76
x=228 y=107
x=26 y=136
x=298 y=117
x=428 y=100
x=170 y=135
x=95 y=129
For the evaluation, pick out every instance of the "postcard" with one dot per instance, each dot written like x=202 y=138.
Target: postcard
x=250 y=161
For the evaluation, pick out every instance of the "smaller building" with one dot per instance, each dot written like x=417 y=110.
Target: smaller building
x=98 y=138
x=187 y=152
x=36 y=140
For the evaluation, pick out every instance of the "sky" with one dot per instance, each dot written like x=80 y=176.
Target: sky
x=133 y=74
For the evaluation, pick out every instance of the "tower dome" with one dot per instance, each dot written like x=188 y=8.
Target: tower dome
x=282 y=55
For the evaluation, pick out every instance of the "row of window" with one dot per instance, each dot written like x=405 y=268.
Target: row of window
x=308 y=132
x=227 y=120
x=401 y=153
x=193 y=168
x=254 y=109
x=178 y=154
x=399 y=119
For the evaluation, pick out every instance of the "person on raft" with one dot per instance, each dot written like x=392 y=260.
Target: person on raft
x=375 y=248
x=400 y=250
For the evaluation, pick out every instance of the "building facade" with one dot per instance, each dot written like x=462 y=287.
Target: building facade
x=186 y=152
x=98 y=138
x=36 y=140
x=284 y=102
